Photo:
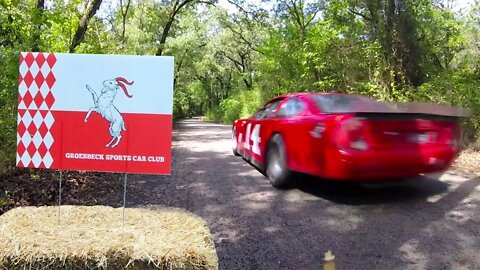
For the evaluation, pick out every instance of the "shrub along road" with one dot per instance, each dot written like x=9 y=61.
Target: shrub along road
x=430 y=223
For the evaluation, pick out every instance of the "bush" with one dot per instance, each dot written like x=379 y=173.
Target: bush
x=8 y=109
x=230 y=110
x=250 y=102
x=8 y=143
x=242 y=105
x=213 y=114
x=227 y=112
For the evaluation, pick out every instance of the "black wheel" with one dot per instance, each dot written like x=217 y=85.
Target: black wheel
x=276 y=166
x=234 y=142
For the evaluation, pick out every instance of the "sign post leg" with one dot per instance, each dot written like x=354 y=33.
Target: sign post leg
x=59 y=194
x=124 y=197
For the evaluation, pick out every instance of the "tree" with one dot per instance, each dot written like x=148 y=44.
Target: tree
x=176 y=7
x=83 y=25
x=124 y=12
x=37 y=24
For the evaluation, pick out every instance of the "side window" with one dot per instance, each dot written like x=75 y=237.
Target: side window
x=268 y=110
x=292 y=107
x=260 y=113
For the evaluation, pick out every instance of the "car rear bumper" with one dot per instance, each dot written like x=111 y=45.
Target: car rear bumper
x=387 y=164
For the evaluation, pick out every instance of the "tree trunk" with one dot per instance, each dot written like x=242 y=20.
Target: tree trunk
x=410 y=49
x=177 y=6
x=124 y=19
x=82 y=27
x=37 y=25
x=299 y=17
x=166 y=29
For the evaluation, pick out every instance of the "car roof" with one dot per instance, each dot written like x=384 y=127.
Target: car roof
x=398 y=107
x=305 y=94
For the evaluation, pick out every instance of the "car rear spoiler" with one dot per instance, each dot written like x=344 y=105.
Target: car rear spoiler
x=410 y=110
x=405 y=116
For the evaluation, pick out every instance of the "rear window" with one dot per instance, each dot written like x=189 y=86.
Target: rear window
x=347 y=103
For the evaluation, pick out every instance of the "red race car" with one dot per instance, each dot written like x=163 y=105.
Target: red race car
x=347 y=137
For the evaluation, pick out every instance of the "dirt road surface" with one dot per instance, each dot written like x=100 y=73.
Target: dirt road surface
x=432 y=223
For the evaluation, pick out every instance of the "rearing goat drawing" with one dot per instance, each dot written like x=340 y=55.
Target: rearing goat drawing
x=104 y=106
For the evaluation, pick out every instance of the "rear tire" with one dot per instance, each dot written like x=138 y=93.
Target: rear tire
x=234 y=143
x=276 y=167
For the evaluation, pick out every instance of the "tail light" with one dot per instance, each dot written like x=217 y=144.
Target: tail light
x=350 y=135
x=452 y=136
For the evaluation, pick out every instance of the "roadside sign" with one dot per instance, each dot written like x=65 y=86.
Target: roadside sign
x=95 y=112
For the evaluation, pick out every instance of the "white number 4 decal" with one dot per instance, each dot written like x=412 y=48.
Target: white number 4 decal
x=254 y=137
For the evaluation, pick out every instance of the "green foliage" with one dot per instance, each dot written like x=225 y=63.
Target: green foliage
x=250 y=101
x=230 y=109
x=9 y=76
x=242 y=105
x=214 y=114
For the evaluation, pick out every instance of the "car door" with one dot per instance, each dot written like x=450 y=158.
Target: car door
x=302 y=134
x=257 y=132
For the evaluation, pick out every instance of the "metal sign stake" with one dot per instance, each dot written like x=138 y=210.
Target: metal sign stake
x=59 y=195
x=124 y=197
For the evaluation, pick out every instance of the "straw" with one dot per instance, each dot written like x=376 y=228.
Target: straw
x=93 y=237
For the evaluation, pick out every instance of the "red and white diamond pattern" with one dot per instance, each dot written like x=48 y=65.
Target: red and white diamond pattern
x=35 y=120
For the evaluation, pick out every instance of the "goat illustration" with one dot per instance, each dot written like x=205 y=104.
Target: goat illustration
x=104 y=106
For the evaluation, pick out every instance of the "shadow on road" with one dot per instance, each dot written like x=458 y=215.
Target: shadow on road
x=352 y=193
x=356 y=193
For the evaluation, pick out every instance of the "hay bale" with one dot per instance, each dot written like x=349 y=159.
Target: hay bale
x=94 y=237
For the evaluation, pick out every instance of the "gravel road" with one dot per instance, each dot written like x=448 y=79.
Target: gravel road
x=430 y=223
